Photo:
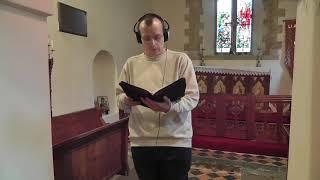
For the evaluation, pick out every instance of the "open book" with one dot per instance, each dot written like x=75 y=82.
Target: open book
x=173 y=91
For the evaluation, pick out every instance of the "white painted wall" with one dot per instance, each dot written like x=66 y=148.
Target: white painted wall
x=25 y=131
x=110 y=28
x=35 y=6
x=175 y=16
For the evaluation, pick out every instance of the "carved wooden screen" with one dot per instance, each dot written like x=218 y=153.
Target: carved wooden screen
x=236 y=83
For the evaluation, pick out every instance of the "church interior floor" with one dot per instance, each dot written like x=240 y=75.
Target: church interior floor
x=221 y=165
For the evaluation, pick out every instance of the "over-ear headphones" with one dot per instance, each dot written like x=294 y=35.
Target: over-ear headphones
x=165 y=26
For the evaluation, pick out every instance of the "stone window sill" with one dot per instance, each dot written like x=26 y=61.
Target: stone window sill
x=230 y=57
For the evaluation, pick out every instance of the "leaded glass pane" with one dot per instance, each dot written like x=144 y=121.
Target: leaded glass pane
x=244 y=28
x=224 y=12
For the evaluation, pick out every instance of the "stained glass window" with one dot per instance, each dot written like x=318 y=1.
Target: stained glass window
x=224 y=14
x=244 y=12
x=234 y=26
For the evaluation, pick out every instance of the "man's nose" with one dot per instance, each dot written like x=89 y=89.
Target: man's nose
x=153 y=42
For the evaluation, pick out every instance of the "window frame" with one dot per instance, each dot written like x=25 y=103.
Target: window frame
x=233 y=30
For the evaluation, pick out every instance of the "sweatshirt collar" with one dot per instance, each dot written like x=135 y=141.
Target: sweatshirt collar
x=156 y=58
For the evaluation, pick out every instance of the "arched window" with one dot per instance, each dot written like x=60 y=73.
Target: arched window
x=234 y=26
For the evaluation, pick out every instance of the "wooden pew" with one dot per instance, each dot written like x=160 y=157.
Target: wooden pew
x=85 y=148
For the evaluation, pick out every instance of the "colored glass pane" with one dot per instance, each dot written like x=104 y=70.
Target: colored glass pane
x=224 y=13
x=244 y=28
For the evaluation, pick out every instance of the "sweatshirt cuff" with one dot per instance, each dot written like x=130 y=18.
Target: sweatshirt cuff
x=121 y=103
x=172 y=109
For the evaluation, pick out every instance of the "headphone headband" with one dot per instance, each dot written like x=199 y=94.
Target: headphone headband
x=165 y=26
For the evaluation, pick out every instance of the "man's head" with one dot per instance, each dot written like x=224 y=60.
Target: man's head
x=152 y=33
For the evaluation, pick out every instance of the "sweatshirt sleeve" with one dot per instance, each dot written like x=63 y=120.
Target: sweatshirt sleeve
x=119 y=92
x=191 y=98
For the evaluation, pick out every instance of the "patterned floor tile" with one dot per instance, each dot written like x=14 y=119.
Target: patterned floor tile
x=210 y=164
x=221 y=165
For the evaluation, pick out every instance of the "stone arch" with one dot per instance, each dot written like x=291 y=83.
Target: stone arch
x=104 y=78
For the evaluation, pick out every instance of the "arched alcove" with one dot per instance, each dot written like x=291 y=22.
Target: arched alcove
x=104 y=78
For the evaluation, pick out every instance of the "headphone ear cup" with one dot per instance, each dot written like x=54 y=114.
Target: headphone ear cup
x=138 y=36
x=166 y=35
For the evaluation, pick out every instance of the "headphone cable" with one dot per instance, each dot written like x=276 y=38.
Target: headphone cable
x=163 y=78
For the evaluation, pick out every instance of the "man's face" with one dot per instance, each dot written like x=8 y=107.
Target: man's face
x=152 y=38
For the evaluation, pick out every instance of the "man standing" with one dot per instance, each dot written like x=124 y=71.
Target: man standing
x=160 y=135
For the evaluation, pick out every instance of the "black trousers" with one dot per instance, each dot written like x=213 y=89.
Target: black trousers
x=162 y=163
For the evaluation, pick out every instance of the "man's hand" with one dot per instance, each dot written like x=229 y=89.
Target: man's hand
x=158 y=106
x=130 y=102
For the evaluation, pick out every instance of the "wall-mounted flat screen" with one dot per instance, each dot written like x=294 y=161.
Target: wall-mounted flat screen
x=72 y=20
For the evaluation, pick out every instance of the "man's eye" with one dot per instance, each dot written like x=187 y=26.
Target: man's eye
x=146 y=38
x=149 y=38
x=157 y=38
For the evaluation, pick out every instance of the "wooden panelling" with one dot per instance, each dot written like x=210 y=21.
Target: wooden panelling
x=85 y=148
x=259 y=118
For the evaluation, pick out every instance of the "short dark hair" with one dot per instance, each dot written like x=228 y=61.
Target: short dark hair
x=148 y=19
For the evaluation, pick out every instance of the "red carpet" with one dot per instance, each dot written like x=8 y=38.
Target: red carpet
x=241 y=146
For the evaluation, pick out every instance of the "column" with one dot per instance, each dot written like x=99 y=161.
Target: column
x=304 y=156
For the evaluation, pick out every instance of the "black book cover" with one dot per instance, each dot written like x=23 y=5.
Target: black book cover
x=173 y=91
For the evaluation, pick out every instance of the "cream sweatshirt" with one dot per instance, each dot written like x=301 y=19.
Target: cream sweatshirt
x=150 y=128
